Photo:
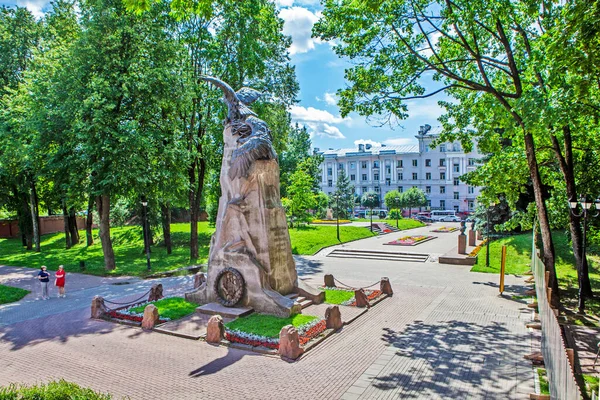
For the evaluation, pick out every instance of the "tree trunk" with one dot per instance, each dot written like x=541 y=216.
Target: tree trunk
x=35 y=216
x=196 y=185
x=25 y=220
x=548 y=245
x=73 y=226
x=103 y=207
x=68 y=242
x=166 y=225
x=89 y=221
x=568 y=170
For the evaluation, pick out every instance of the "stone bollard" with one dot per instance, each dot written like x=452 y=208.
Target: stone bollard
x=150 y=317
x=333 y=318
x=199 y=279
x=289 y=343
x=98 y=307
x=156 y=292
x=472 y=238
x=329 y=281
x=215 y=331
x=462 y=244
x=361 y=298
x=385 y=286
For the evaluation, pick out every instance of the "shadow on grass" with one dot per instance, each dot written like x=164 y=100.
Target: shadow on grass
x=454 y=360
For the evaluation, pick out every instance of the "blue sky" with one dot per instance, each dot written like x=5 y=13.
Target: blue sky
x=320 y=74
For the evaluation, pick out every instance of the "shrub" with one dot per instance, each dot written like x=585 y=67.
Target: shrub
x=55 y=390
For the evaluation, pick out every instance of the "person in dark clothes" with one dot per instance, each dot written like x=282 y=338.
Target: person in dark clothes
x=44 y=278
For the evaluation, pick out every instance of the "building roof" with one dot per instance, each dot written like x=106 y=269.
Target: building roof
x=379 y=150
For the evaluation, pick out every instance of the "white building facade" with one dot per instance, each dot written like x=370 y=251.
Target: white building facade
x=434 y=169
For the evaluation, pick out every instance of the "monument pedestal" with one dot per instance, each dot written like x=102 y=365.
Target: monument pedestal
x=479 y=235
x=472 y=238
x=462 y=244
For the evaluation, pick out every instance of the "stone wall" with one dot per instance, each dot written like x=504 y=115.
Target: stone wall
x=50 y=224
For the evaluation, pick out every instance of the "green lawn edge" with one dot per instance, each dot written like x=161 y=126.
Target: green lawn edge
x=337 y=296
x=171 y=308
x=268 y=325
x=9 y=294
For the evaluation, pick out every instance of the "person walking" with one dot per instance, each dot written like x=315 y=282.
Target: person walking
x=60 y=281
x=44 y=278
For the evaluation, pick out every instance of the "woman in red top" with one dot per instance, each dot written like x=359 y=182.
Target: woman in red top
x=60 y=281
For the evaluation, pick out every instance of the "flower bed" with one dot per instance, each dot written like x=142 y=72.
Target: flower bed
x=445 y=229
x=122 y=314
x=371 y=295
x=410 y=240
x=306 y=332
x=172 y=306
x=477 y=249
x=330 y=221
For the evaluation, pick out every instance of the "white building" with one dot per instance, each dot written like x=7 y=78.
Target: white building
x=435 y=170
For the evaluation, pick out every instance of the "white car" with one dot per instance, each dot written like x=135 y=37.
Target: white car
x=451 y=218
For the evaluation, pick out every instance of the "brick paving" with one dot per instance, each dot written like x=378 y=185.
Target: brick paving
x=444 y=334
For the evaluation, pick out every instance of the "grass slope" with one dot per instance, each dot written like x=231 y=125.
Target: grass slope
x=337 y=296
x=268 y=325
x=172 y=308
x=128 y=246
x=9 y=294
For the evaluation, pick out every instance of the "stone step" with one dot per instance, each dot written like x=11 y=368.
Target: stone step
x=300 y=299
x=378 y=255
x=225 y=312
x=305 y=303
x=291 y=295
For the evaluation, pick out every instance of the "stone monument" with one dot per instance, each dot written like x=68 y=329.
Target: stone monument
x=472 y=242
x=329 y=216
x=462 y=239
x=250 y=262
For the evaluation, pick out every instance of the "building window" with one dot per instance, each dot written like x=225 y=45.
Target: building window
x=442 y=162
x=428 y=189
x=340 y=166
x=400 y=164
x=375 y=164
x=428 y=175
x=352 y=165
x=388 y=170
x=415 y=176
x=428 y=163
x=456 y=168
x=471 y=189
x=364 y=189
x=388 y=181
x=471 y=161
x=442 y=189
x=329 y=171
x=455 y=147
x=456 y=181
x=363 y=165
x=443 y=204
x=330 y=183
x=352 y=177
x=428 y=203
x=375 y=177
x=456 y=196
x=364 y=177
x=399 y=176
x=443 y=176
x=443 y=148
x=426 y=148
x=415 y=163
x=376 y=189
x=400 y=189
x=471 y=205
x=456 y=208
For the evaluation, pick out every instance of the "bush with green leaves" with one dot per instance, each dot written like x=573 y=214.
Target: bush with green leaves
x=55 y=390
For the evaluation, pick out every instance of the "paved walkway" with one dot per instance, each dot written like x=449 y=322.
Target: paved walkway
x=445 y=334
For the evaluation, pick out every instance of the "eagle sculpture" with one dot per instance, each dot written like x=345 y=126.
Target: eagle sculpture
x=255 y=141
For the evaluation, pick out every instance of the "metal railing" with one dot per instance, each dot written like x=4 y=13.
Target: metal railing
x=561 y=377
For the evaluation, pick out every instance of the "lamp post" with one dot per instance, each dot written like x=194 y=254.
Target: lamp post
x=397 y=201
x=586 y=206
x=146 y=233
x=337 y=214
x=487 y=253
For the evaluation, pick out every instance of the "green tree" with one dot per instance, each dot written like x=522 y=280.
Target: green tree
x=301 y=198
x=412 y=198
x=394 y=200
x=370 y=200
x=342 y=199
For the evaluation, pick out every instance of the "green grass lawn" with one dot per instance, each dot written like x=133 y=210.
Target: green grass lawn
x=591 y=384
x=57 y=390
x=8 y=294
x=268 y=325
x=337 y=296
x=172 y=308
x=308 y=239
x=406 y=223
x=544 y=385
x=129 y=249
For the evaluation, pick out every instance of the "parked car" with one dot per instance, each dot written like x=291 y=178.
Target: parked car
x=451 y=218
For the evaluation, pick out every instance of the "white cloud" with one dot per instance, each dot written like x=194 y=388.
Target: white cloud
x=398 y=141
x=284 y=3
x=318 y=122
x=298 y=24
x=329 y=98
x=35 y=6
x=425 y=108
x=367 y=141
